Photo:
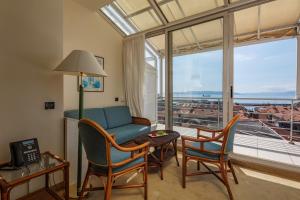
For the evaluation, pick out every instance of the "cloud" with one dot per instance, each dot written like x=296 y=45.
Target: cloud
x=196 y=86
x=264 y=88
x=195 y=77
x=271 y=57
x=243 y=57
x=274 y=88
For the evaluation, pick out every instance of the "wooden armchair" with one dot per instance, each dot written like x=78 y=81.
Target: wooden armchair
x=107 y=159
x=214 y=150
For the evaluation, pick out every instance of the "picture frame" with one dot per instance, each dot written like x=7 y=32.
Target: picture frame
x=93 y=83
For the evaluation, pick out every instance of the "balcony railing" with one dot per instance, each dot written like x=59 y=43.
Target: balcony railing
x=269 y=128
x=262 y=117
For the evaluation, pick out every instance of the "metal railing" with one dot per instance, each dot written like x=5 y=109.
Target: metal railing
x=193 y=104
x=264 y=117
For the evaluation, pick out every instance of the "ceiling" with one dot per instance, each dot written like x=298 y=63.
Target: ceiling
x=275 y=19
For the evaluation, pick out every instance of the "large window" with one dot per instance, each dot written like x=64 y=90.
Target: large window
x=200 y=86
x=265 y=91
x=197 y=76
x=266 y=70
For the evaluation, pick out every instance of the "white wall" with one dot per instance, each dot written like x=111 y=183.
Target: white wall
x=87 y=30
x=31 y=46
x=31 y=36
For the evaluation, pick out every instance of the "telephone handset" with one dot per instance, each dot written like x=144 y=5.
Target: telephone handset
x=24 y=152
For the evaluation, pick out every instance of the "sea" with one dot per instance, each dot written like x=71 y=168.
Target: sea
x=281 y=98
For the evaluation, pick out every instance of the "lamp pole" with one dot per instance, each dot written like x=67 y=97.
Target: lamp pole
x=79 y=158
x=80 y=62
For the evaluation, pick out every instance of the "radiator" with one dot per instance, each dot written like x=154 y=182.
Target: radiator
x=71 y=149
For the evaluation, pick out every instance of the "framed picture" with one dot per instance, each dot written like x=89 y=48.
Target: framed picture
x=93 y=83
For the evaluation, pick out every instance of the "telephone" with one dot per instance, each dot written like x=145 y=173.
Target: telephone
x=24 y=152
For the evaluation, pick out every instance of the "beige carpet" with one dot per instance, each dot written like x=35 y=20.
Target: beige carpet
x=252 y=186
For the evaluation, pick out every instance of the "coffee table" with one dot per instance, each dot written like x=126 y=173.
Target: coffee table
x=162 y=151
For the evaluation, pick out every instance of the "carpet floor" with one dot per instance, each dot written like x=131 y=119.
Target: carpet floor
x=252 y=185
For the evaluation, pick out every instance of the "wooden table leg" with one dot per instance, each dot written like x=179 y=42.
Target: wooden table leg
x=66 y=181
x=47 y=180
x=161 y=159
x=175 y=151
x=5 y=194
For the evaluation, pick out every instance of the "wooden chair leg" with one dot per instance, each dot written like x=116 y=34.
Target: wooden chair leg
x=85 y=182
x=233 y=172
x=183 y=170
x=223 y=170
x=108 y=186
x=146 y=181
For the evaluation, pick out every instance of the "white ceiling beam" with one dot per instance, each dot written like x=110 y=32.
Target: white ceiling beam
x=147 y=8
x=226 y=2
x=192 y=31
x=158 y=11
x=154 y=17
x=258 y=22
x=279 y=28
x=207 y=14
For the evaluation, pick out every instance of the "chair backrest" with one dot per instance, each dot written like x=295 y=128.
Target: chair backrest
x=117 y=116
x=229 y=133
x=96 y=142
x=95 y=114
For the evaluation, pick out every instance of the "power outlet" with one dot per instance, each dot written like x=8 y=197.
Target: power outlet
x=49 y=105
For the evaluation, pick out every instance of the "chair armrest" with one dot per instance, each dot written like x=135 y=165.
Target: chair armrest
x=200 y=140
x=213 y=132
x=141 y=121
x=143 y=151
x=130 y=149
x=201 y=144
x=193 y=139
x=209 y=130
x=113 y=136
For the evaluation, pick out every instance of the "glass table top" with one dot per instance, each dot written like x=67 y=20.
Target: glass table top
x=47 y=162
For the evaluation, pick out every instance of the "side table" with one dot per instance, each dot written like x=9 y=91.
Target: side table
x=49 y=163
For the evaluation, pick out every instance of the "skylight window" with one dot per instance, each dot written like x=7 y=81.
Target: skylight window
x=117 y=19
x=178 y=9
x=134 y=16
x=132 y=6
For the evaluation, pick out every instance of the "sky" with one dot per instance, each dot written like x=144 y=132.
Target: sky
x=264 y=67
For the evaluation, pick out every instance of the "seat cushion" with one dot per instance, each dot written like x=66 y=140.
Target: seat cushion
x=128 y=132
x=117 y=156
x=207 y=146
x=117 y=116
x=95 y=114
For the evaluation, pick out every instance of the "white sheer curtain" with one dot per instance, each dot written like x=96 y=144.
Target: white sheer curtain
x=150 y=93
x=134 y=68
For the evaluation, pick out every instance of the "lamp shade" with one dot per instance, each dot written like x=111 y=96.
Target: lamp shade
x=81 y=62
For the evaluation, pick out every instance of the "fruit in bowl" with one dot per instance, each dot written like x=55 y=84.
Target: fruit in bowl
x=158 y=134
x=161 y=133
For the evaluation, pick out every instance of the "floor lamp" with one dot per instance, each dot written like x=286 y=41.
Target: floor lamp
x=80 y=63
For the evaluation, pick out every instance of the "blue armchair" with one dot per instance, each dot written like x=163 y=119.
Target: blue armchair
x=214 y=149
x=107 y=159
